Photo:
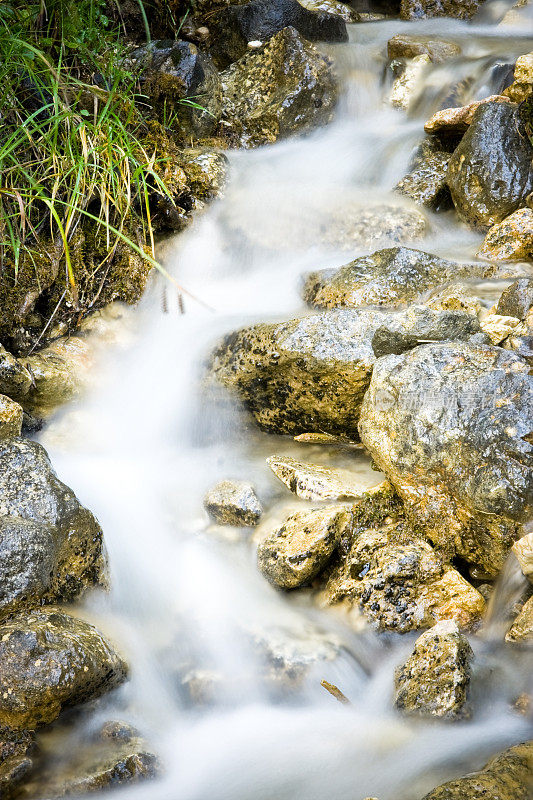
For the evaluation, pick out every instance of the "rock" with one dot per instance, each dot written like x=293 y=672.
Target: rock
x=405 y=45
x=10 y=418
x=180 y=80
x=282 y=88
x=506 y=777
x=311 y=373
x=523 y=550
x=498 y=328
x=510 y=239
x=422 y=9
x=407 y=84
x=233 y=503
x=517 y=299
x=449 y=426
x=391 y=277
x=259 y=20
x=206 y=172
x=299 y=550
x=58 y=373
x=15 y=760
x=342 y=10
x=315 y=482
x=454 y=297
x=425 y=184
x=435 y=678
x=53 y=546
x=50 y=660
x=452 y=121
x=15 y=379
x=522 y=628
x=490 y=172
x=522 y=86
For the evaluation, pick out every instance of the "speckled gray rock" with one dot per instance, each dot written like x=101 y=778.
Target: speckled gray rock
x=490 y=172
x=297 y=551
x=257 y=21
x=434 y=680
x=421 y=9
x=517 y=299
x=15 y=760
x=449 y=425
x=314 y=481
x=508 y=776
x=233 y=503
x=389 y=277
x=49 y=660
x=284 y=87
x=53 y=544
x=425 y=183
x=11 y=414
x=310 y=374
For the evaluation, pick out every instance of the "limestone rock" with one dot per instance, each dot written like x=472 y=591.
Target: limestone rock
x=405 y=45
x=315 y=482
x=296 y=552
x=510 y=239
x=49 y=660
x=422 y=9
x=517 y=299
x=435 y=678
x=457 y=120
x=233 y=503
x=10 y=418
x=282 y=88
x=522 y=628
x=449 y=426
x=425 y=184
x=490 y=172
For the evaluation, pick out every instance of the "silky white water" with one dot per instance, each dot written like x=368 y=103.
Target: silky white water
x=187 y=605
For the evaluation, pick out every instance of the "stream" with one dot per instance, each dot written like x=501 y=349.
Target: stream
x=188 y=607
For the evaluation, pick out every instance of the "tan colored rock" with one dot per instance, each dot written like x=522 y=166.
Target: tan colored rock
x=457 y=120
x=455 y=297
x=57 y=373
x=511 y=239
x=332 y=7
x=405 y=45
x=296 y=552
x=523 y=550
x=233 y=503
x=522 y=628
x=406 y=85
x=498 y=328
x=523 y=71
x=315 y=482
x=10 y=418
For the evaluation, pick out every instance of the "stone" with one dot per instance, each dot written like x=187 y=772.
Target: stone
x=448 y=423
x=298 y=551
x=50 y=660
x=517 y=299
x=311 y=373
x=434 y=680
x=510 y=239
x=205 y=170
x=490 y=172
x=498 y=328
x=457 y=120
x=522 y=628
x=15 y=379
x=507 y=776
x=425 y=183
x=522 y=86
x=259 y=20
x=422 y=9
x=342 y=10
x=405 y=45
x=454 y=297
x=390 y=277
x=406 y=86
x=284 y=87
x=58 y=373
x=233 y=503
x=315 y=482
x=523 y=550
x=11 y=414
x=53 y=547
x=15 y=760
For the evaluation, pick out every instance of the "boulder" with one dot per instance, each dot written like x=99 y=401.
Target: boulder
x=11 y=414
x=15 y=760
x=298 y=551
x=390 y=277
x=405 y=45
x=52 y=547
x=510 y=239
x=284 y=87
x=522 y=628
x=315 y=482
x=50 y=660
x=435 y=678
x=507 y=776
x=425 y=183
x=311 y=373
x=58 y=373
x=490 y=173
x=233 y=503
x=517 y=299
x=422 y=9
x=453 y=121
x=235 y=26
x=449 y=423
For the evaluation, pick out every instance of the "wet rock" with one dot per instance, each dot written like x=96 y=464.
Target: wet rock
x=15 y=379
x=259 y=20
x=315 y=482
x=405 y=45
x=233 y=503
x=10 y=418
x=522 y=86
x=282 y=88
x=180 y=80
x=205 y=170
x=342 y=10
x=297 y=552
x=55 y=545
x=57 y=374
x=311 y=373
x=510 y=239
x=508 y=776
x=523 y=550
x=425 y=184
x=490 y=172
x=407 y=84
x=390 y=277
x=449 y=425
x=517 y=299
x=15 y=760
x=522 y=628
x=454 y=121
x=49 y=660
x=422 y=9
x=435 y=678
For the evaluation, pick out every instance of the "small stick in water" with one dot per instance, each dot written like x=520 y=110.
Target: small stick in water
x=336 y=692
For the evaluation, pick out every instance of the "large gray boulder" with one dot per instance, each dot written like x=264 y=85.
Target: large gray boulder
x=450 y=425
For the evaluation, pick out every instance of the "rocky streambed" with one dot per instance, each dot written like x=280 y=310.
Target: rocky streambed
x=316 y=484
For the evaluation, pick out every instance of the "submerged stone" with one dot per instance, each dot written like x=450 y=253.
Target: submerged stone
x=15 y=760
x=434 y=680
x=233 y=503
x=510 y=239
x=407 y=84
x=315 y=482
x=449 y=424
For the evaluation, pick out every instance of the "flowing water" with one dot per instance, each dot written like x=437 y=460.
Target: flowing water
x=188 y=606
